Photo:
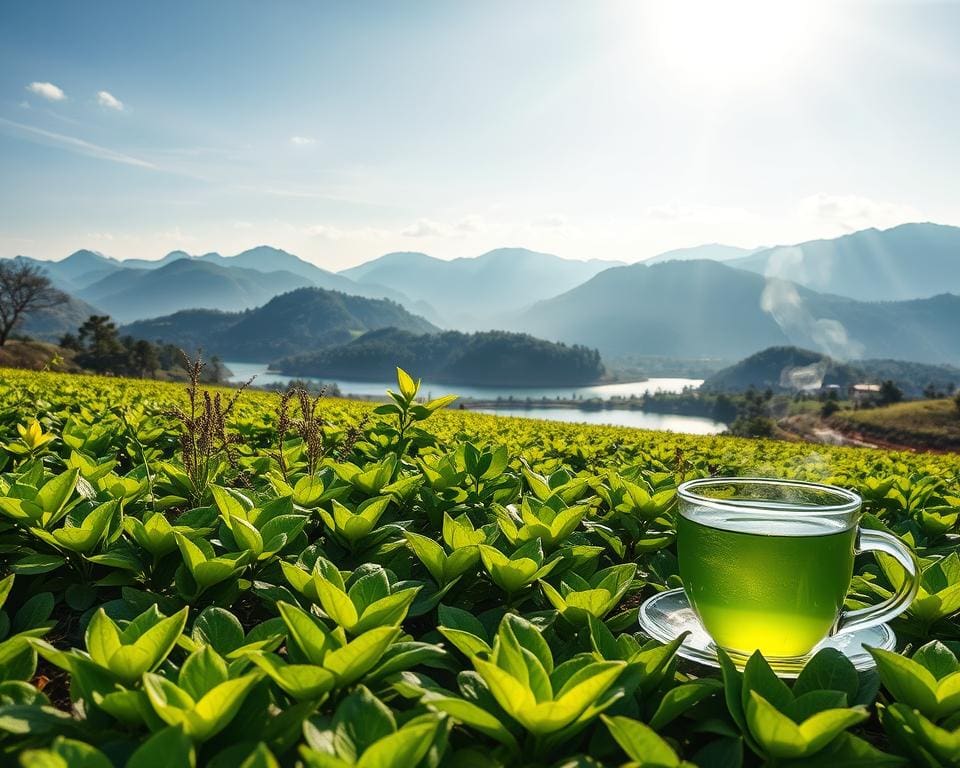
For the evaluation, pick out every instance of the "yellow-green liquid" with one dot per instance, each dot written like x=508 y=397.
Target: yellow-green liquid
x=771 y=591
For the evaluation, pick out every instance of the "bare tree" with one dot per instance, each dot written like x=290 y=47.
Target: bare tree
x=23 y=289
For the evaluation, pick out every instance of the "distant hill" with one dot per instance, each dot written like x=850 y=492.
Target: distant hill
x=477 y=292
x=132 y=294
x=489 y=358
x=78 y=270
x=96 y=276
x=712 y=251
x=300 y=321
x=265 y=258
x=157 y=263
x=912 y=378
x=785 y=369
x=906 y=262
x=189 y=329
x=51 y=324
x=692 y=309
x=676 y=309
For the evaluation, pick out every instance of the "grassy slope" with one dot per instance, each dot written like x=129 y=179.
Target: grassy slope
x=36 y=356
x=42 y=356
x=930 y=423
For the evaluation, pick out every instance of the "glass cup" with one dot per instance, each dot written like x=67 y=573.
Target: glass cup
x=766 y=564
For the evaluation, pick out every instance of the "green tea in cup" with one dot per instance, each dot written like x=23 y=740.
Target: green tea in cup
x=766 y=564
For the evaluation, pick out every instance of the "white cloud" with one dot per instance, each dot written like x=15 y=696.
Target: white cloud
x=358 y=234
x=854 y=212
x=302 y=141
x=550 y=221
x=176 y=235
x=242 y=225
x=470 y=224
x=425 y=228
x=112 y=238
x=325 y=231
x=108 y=100
x=705 y=213
x=47 y=90
x=73 y=144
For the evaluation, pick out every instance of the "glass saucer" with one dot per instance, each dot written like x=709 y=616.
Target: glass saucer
x=668 y=614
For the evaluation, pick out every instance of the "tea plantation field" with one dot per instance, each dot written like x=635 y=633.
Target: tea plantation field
x=194 y=579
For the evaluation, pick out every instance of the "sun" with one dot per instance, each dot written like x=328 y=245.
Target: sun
x=733 y=43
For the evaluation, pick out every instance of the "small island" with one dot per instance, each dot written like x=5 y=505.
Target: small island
x=489 y=358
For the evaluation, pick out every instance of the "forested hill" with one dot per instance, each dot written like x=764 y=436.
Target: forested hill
x=786 y=369
x=302 y=320
x=489 y=358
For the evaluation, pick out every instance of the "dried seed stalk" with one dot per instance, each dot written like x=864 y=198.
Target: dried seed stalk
x=204 y=440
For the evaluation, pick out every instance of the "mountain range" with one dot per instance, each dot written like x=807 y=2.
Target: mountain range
x=478 y=292
x=134 y=289
x=911 y=261
x=871 y=293
x=704 y=308
x=711 y=251
x=303 y=320
x=131 y=294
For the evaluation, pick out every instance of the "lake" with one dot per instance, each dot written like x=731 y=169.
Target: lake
x=243 y=371
x=691 y=424
x=617 y=417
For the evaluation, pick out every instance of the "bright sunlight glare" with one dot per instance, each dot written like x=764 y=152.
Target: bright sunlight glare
x=730 y=44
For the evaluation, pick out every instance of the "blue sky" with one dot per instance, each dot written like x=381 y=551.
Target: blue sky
x=341 y=131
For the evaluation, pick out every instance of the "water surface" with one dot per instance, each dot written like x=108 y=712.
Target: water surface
x=617 y=417
x=243 y=371
x=695 y=425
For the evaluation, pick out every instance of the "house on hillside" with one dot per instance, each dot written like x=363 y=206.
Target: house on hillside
x=861 y=392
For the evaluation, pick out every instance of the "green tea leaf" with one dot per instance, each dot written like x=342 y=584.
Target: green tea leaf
x=169 y=746
x=219 y=628
x=408 y=387
x=828 y=670
x=678 y=700
x=641 y=743
x=404 y=748
x=907 y=681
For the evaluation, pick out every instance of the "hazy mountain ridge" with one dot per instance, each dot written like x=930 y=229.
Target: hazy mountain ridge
x=700 y=308
x=672 y=305
x=711 y=251
x=51 y=324
x=299 y=321
x=100 y=278
x=910 y=261
x=661 y=310
x=133 y=294
x=478 y=292
x=278 y=259
x=79 y=269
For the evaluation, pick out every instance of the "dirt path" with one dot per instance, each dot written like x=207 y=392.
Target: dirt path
x=813 y=430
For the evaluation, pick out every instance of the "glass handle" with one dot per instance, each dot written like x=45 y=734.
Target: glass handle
x=904 y=592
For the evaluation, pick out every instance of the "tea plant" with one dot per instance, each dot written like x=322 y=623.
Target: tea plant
x=243 y=579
